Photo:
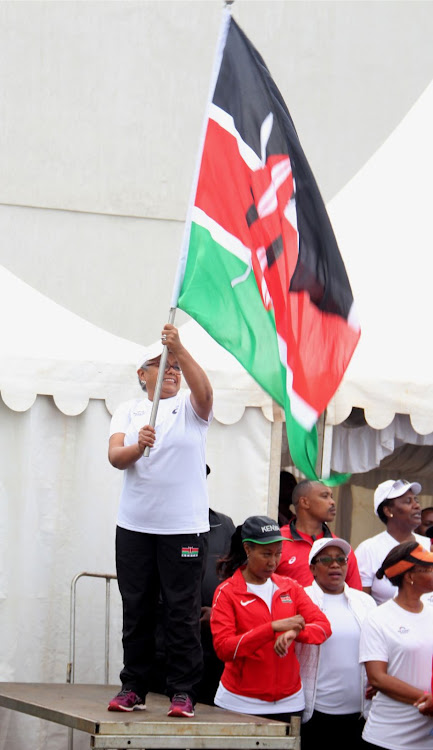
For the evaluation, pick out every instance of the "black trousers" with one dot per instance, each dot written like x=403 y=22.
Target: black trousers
x=342 y=731
x=281 y=717
x=173 y=564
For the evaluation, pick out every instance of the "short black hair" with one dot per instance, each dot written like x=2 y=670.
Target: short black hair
x=381 y=509
x=302 y=488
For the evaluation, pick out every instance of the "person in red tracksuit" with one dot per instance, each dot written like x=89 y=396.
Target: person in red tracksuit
x=256 y=617
x=315 y=508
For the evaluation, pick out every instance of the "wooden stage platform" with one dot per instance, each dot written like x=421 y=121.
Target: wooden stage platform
x=84 y=707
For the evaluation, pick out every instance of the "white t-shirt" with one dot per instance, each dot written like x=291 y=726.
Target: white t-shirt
x=264 y=590
x=244 y=705
x=428 y=599
x=339 y=681
x=405 y=641
x=370 y=555
x=165 y=493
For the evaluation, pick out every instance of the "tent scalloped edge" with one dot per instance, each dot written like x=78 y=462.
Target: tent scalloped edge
x=226 y=410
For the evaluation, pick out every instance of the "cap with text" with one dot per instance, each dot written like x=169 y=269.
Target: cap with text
x=261 y=530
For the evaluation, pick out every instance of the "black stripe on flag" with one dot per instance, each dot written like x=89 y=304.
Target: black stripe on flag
x=246 y=90
x=252 y=215
x=274 y=250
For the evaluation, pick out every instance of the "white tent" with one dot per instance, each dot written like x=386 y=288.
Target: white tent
x=382 y=220
x=60 y=377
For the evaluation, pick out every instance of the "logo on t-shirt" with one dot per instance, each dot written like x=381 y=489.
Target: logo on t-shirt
x=190 y=552
x=403 y=630
x=248 y=601
x=175 y=410
x=285 y=598
x=292 y=560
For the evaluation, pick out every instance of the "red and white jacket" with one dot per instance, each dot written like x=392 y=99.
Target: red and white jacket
x=243 y=637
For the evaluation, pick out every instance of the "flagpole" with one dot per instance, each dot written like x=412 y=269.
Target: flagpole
x=324 y=448
x=158 y=386
x=180 y=272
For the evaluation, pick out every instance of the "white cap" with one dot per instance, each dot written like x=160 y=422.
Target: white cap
x=393 y=488
x=320 y=544
x=153 y=351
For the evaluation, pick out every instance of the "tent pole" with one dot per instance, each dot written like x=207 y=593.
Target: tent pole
x=275 y=460
x=324 y=436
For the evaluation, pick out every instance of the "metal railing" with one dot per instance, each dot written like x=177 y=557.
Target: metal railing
x=70 y=669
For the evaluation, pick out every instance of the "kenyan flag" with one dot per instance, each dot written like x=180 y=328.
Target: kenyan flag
x=261 y=270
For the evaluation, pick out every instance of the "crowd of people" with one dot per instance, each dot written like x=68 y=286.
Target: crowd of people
x=291 y=620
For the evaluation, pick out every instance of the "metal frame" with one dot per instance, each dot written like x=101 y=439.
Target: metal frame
x=84 y=707
x=173 y=742
x=183 y=738
x=70 y=669
x=289 y=741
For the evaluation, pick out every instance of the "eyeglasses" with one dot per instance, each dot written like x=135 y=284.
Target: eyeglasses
x=328 y=560
x=168 y=367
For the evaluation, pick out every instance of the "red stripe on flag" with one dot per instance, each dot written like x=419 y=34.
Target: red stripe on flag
x=226 y=185
x=319 y=347
x=318 y=344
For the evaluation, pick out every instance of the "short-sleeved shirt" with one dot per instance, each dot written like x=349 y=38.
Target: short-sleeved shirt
x=339 y=679
x=371 y=554
x=404 y=640
x=165 y=493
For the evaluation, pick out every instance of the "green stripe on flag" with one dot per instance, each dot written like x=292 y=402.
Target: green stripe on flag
x=236 y=318
x=233 y=316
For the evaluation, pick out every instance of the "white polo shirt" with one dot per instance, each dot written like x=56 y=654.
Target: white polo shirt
x=404 y=640
x=165 y=493
x=370 y=555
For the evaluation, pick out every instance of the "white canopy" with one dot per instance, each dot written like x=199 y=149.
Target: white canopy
x=383 y=223
x=382 y=220
x=48 y=350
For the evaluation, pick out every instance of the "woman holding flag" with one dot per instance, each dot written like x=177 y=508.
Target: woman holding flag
x=397 y=650
x=161 y=539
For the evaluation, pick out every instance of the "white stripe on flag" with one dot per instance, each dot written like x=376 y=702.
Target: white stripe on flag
x=227 y=123
x=228 y=241
x=304 y=414
x=353 y=320
x=291 y=215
